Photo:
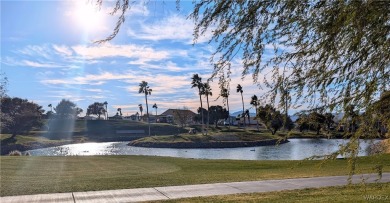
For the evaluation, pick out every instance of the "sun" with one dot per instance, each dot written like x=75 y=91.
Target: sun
x=87 y=16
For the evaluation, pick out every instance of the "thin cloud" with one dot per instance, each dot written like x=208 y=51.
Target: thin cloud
x=63 y=50
x=40 y=65
x=174 y=27
x=28 y=63
x=36 y=51
x=127 y=51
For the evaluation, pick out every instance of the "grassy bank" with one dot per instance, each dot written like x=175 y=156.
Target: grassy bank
x=215 y=138
x=354 y=193
x=32 y=175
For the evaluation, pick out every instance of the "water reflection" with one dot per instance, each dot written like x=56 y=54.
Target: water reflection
x=296 y=149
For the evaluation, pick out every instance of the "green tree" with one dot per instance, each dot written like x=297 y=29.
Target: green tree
x=207 y=92
x=96 y=108
x=303 y=122
x=383 y=112
x=288 y=124
x=120 y=111
x=272 y=118
x=144 y=88
x=3 y=85
x=313 y=121
x=329 y=121
x=67 y=110
x=316 y=121
x=239 y=90
x=255 y=103
x=217 y=113
x=19 y=115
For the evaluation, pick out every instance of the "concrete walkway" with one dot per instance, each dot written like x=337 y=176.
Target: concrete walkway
x=175 y=192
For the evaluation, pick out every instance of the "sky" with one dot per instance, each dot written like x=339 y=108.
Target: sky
x=48 y=54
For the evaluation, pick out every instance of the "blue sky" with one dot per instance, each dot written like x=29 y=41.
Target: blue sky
x=48 y=54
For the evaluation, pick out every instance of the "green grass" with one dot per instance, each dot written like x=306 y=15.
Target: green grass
x=215 y=134
x=353 y=193
x=33 y=175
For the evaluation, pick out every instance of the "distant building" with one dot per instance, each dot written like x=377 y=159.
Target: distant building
x=181 y=115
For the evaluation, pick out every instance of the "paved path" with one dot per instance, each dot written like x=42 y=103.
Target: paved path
x=175 y=192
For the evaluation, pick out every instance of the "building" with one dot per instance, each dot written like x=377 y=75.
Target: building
x=177 y=115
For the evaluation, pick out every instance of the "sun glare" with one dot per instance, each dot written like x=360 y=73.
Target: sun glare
x=88 y=16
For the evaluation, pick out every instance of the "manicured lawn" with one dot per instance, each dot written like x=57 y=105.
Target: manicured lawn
x=33 y=175
x=354 y=193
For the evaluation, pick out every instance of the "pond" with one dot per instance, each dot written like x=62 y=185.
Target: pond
x=296 y=149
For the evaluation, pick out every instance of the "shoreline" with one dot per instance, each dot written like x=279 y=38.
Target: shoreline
x=204 y=145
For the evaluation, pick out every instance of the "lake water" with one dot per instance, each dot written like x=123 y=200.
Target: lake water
x=296 y=149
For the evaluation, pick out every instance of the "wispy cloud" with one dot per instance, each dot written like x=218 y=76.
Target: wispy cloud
x=62 y=49
x=127 y=51
x=174 y=27
x=40 y=65
x=36 y=51
x=28 y=63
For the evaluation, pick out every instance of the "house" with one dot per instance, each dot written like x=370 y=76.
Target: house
x=178 y=115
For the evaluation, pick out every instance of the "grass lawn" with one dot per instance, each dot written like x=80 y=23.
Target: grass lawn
x=33 y=175
x=354 y=193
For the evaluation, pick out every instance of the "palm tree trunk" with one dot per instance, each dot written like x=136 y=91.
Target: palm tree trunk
x=147 y=112
x=155 y=120
x=243 y=109
x=227 y=102
x=257 y=122
x=201 y=111
x=208 y=111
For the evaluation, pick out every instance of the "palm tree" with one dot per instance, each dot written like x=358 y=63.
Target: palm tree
x=197 y=82
x=51 y=107
x=255 y=103
x=120 y=111
x=225 y=95
x=249 y=116
x=105 y=104
x=155 y=106
x=207 y=92
x=140 y=109
x=144 y=88
x=239 y=89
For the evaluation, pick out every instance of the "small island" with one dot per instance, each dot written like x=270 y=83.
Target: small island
x=221 y=137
